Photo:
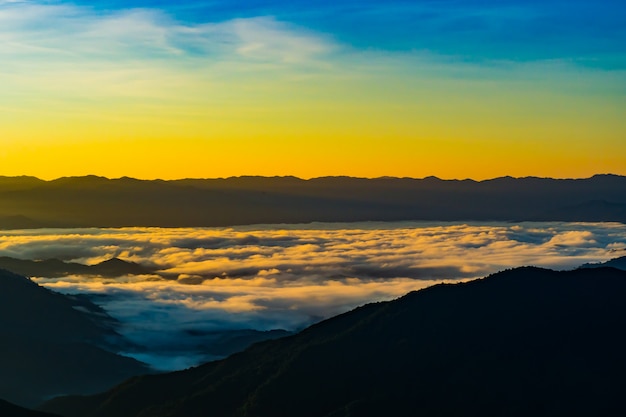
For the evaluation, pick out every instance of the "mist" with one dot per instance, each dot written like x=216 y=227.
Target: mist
x=207 y=281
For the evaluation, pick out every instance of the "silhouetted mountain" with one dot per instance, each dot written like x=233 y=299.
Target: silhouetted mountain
x=19 y=183
x=56 y=268
x=619 y=263
x=19 y=222
x=524 y=342
x=54 y=344
x=10 y=410
x=97 y=201
x=116 y=267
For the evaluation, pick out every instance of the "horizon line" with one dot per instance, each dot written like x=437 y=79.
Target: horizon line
x=389 y=177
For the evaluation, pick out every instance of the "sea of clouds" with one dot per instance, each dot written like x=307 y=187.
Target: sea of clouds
x=264 y=277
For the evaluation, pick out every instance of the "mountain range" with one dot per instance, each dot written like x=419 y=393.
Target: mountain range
x=522 y=342
x=100 y=202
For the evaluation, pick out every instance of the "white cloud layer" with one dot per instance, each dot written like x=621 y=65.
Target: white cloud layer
x=267 y=277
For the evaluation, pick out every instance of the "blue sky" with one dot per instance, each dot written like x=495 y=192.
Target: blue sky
x=588 y=32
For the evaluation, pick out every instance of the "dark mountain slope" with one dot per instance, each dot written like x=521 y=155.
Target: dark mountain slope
x=97 y=201
x=54 y=344
x=522 y=342
x=9 y=410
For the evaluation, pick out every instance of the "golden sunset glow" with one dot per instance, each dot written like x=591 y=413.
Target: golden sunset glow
x=142 y=93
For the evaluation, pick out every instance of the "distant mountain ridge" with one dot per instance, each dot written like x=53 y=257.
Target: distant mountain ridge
x=619 y=263
x=53 y=268
x=523 y=342
x=93 y=201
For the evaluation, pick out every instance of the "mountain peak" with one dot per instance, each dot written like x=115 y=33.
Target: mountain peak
x=115 y=261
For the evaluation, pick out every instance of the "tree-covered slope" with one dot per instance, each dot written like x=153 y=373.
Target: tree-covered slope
x=54 y=344
x=522 y=342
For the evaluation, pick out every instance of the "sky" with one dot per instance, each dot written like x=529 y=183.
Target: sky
x=289 y=276
x=173 y=89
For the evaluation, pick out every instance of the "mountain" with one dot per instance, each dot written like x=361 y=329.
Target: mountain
x=54 y=344
x=592 y=211
x=116 y=267
x=619 y=263
x=222 y=343
x=523 y=342
x=10 y=410
x=19 y=222
x=53 y=268
x=101 y=202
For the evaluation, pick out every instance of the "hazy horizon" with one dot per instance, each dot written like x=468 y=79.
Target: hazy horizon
x=477 y=179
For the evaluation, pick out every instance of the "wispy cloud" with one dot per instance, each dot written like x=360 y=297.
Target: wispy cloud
x=74 y=52
x=477 y=30
x=79 y=32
